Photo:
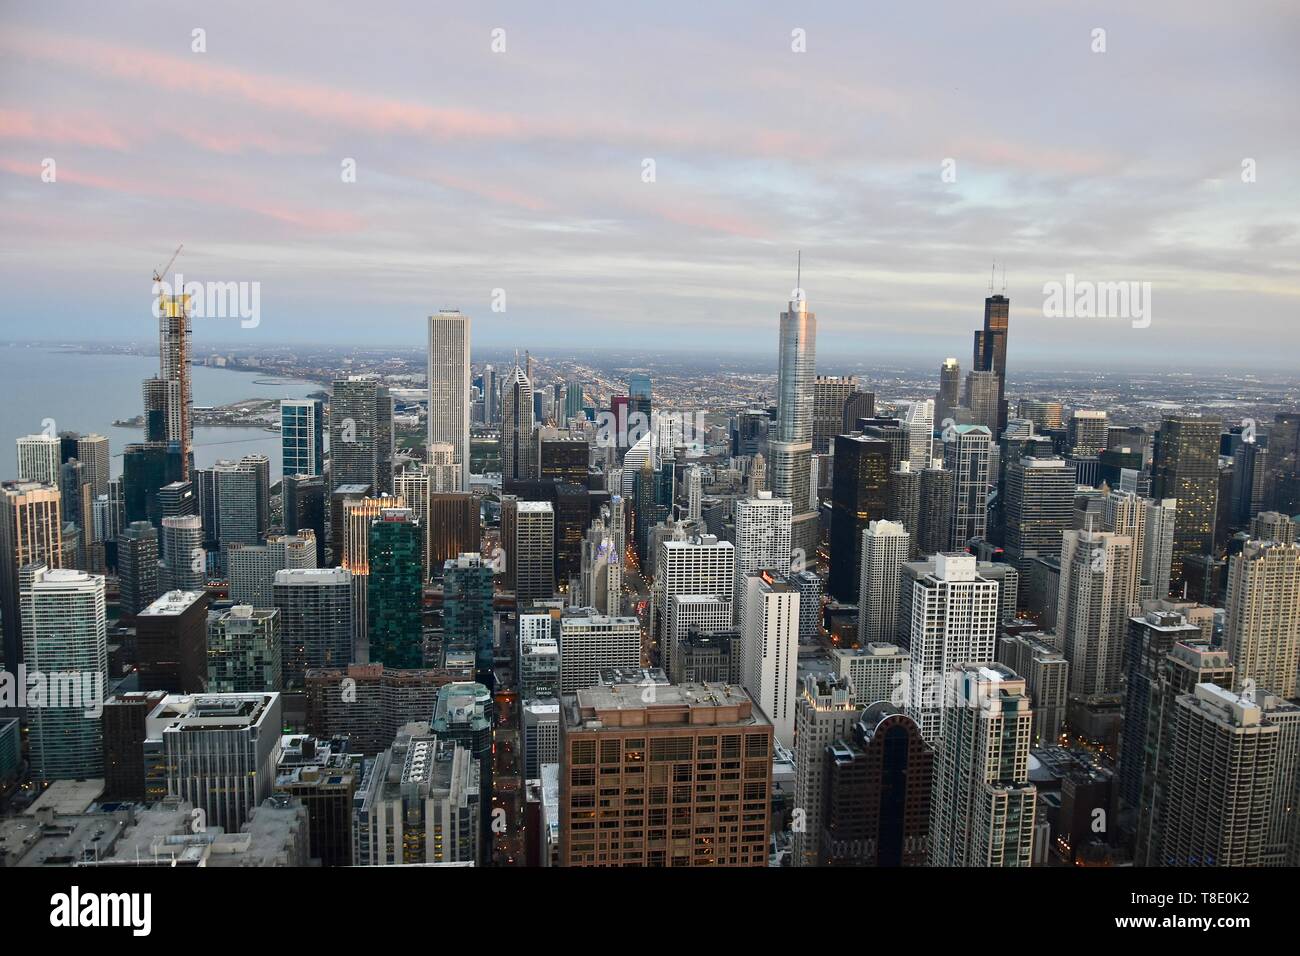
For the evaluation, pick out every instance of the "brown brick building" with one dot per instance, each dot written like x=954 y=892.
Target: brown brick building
x=669 y=775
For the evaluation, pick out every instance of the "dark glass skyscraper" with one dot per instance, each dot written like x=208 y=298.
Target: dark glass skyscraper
x=1186 y=467
x=467 y=610
x=394 y=591
x=859 y=495
x=991 y=349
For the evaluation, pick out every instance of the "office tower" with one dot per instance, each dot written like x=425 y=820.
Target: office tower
x=790 y=455
x=1039 y=509
x=1186 y=467
x=491 y=396
x=137 y=567
x=358 y=515
x=590 y=641
x=31 y=532
x=368 y=703
x=934 y=511
x=1087 y=432
x=1250 y=489
x=161 y=404
x=1284 y=463
x=420 y=802
x=316 y=619
x=920 y=433
x=885 y=547
x=810 y=588
x=602 y=569
x=1273 y=526
x=675 y=735
x=859 y=405
x=1093 y=606
x=65 y=639
x=324 y=775
x=539 y=662
x=639 y=395
x=762 y=539
x=234 y=501
x=710 y=613
x=518 y=458
x=1228 y=756
x=1047 y=681
x=966 y=456
x=983 y=806
x=990 y=353
x=449 y=385
x=220 y=752
x=124 y=722
x=572 y=401
x=172 y=644
x=244 y=651
x=982 y=399
x=146 y=469
x=564 y=459
x=465 y=713
x=1150 y=523
x=185 y=560
x=1046 y=415
x=467 y=610
x=947 y=398
x=303 y=498
x=694 y=493
x=707 y=657
x=701 y=566
x=302 y=446
x=1262 y=616
x=770 y=630
x=876 y=795
x=830 y=394
x=534 y=551
x=361 y=435
x=875 y=672
x=343 y=500
x=859 y=496
x=948 y=615
x=541 y=735
x=38 y=459
x=174 y=368
x=453 y=527
x=252 y=570
x=394 y=600
x=903 y=502
x=824 y=711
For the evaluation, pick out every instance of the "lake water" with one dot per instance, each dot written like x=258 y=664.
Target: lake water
x=86 y=393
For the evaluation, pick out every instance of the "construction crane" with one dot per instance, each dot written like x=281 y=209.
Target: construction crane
x=158 y=274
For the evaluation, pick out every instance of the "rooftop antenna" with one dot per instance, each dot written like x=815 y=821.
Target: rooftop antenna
x=1004 y=278
x=992 y=269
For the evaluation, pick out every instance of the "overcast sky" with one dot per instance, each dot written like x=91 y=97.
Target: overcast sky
x=524 y=170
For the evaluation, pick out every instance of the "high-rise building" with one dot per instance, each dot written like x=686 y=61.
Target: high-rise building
x=1087 y=432
x=762 y=539
x=174 y=369
x=1150 y=523
x=589 y=642
x=394 y=599
x=454 y=527
x=830 y=394
x=124 y=726
x=770 y=634
x=518 y=457
x=235 y=501
x=948 y=397
x=1262 y=616
x=1093 y=607
x=534 y=551
x=465 y=713
x=146 y=469
x=983 y=805
x=31 y=532
x=1046 y=415
x=791 y=443
x=185 y=560
x=137 y=567
x=1047 y=681
x=948 y=616
x=674 y=735
x=368 y=703
x=302 y=447
x=1273 y=526
x=934 y=511
x=304 y=501
x=244 y=651
x=876 y=672
x=361 y=435
x=65 y=638
x=876 y=796
x=172 y=643
x=541 y=734
x=467 y=610
x=316 y=620
x=885 y=547
x=220 y=752
x=990 y=353
x=449 y=385
x=1039 y=509
x=252 y=570
x=824 y=711
x=701 y=566
x=358 y=514
x=920 y=433
x=1250 y=488
x=966 y=456
x=1186 y=467
x=982 y=399
x=39 y=459
x=859 y=495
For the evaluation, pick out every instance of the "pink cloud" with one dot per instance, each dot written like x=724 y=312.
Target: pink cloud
x=74 y=130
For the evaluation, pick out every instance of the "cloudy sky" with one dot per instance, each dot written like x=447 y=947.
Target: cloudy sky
x=904 y=150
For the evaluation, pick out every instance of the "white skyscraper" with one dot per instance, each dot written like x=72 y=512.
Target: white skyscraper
x=948 y=616
x=1262 y=616
x=762 y=539
x=65 y=646
x=920 y=433
x=983 y=806
x=967 y=457
x=1092 y=609
x=694 y=492
x=885 y=546
x=700 y=565
x=449 y=381
x=1150 y=523
x=38 y=459
x=770 y=633
x=591 y=641
x=534 y=551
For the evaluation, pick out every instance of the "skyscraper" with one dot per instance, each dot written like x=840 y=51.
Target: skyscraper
x=1092 y=610
x=518 y=458
x=302 y=448
x=65 y=639
x=770 y=634
x=830 y=394
x=316 y=619
x=1262 y=616
x=1087 y=432
x=701 y=566
x=762 y=540
x=395 y=590
x=449 y=383
x=1039 y=509
x=361 y=435
x=467 y=610
x=990 y=353
x=966 y=456
x=1186 y=467
x=983 y=805
x=885 y=547
x=137 y=567
x=791 y=443
x=920 y=433
x=590 y=642
x=38 y=459
x=184 y=558
x=534 y=551
x=948 y=397
x=859 y=495
x=934 y=511
x=824 y=711
x=174 y=368
x=244 y=651
x=172 y=644
x=31 y=532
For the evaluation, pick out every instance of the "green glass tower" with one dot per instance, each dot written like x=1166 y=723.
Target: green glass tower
x=467 y=610
x=394 y=590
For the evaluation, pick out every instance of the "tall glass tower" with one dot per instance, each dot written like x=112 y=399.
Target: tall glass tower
x=791 y=441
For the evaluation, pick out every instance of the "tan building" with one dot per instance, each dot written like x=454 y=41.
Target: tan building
x=664 y=775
